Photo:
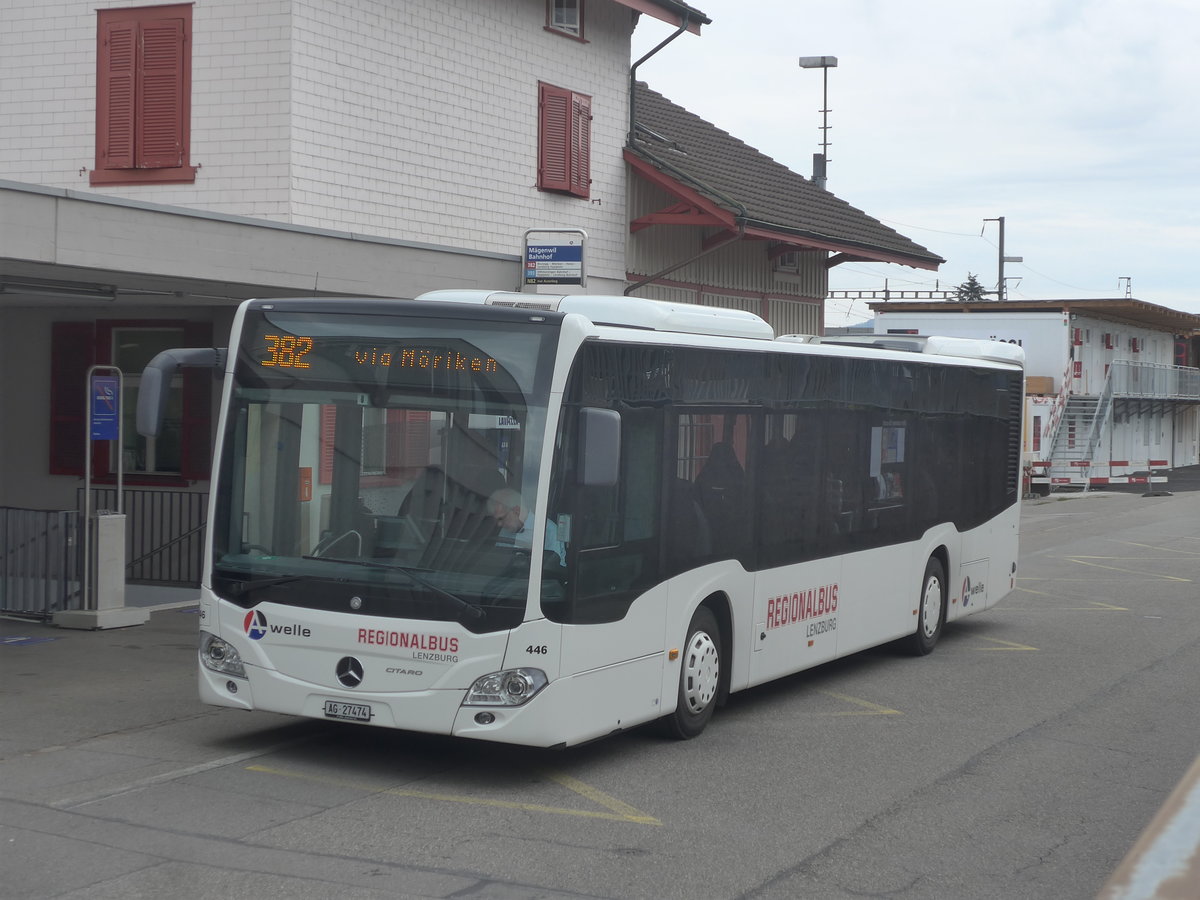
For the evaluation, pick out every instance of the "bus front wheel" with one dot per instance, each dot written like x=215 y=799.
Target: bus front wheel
x=699 y=677
x=931 y=609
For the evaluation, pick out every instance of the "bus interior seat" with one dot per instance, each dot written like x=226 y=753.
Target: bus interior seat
x=457 y=504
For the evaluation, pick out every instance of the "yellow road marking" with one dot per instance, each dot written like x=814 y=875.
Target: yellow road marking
x=1083 y=562
x=868 y=708
x=618 y=811
x=1006 y=645
x=1137 y=558
x=1095 y=606
x=1069 y=580
x=1156 y=547
x=623 y=810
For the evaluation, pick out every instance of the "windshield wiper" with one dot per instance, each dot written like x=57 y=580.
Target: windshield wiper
x=472 y=610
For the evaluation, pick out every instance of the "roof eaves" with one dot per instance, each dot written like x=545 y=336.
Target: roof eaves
x=696 y=191
x=1118 y=309
x=672 y=12
x=751 y=185
x=862 y=251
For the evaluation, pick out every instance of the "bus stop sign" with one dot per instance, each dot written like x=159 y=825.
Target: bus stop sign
x=105 y=395
x=554 y=256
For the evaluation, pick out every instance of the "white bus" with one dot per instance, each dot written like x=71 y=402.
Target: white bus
x=541 y=520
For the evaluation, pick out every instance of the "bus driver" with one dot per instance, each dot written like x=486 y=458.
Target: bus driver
x=508 y=508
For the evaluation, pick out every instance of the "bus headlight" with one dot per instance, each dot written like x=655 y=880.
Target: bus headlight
x=512 y=687
x=220 y=656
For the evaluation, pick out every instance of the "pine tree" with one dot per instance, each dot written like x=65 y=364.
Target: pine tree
x=970 y=291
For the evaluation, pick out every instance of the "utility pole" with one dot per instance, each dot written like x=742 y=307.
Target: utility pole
x=1001 y=291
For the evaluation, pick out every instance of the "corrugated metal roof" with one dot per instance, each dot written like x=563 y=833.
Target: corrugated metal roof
x=1118 y=309
x=712 y=167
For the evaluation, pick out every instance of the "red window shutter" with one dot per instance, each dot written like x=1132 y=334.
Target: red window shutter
x=394 y=443
x=72 y=353
x=196 y=452
x=325 y=461
x=161 y=99
x=115 y=99
x=581 y=145
x=554 y=138
x=143 y=95
x=564 y=140
x=416 y=442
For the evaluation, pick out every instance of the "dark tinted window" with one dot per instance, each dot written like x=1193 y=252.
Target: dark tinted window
x=777 y=458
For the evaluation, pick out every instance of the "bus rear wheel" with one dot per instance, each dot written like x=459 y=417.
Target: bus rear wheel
x=699 y=677
x=931 y=609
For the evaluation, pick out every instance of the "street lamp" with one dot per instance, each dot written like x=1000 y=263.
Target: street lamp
x=821 y=160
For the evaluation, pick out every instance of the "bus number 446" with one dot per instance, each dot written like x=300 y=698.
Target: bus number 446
x=542 y=648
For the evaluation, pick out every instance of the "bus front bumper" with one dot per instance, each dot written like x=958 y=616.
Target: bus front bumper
x=565 y=712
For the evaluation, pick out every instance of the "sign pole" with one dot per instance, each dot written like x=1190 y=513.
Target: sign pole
x=104 y=422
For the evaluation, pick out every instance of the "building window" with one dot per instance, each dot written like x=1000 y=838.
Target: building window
x=565 y=17
x=564 y=140
x=143 y=96
x=788 y=262
x=181 y=453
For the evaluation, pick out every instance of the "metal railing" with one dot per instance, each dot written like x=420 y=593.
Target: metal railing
x=1124 y=380
x=164 y=537
x=39 y=561
x=1101 y=417
x=1054 y=422
x=1153 y=381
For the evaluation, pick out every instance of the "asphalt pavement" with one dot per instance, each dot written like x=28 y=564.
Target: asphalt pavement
x=94 y=717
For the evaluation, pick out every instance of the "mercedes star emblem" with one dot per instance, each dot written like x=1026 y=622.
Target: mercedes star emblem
x=349 y=671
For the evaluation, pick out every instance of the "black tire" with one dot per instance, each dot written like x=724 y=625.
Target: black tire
x=699 y=677
x=931 y=609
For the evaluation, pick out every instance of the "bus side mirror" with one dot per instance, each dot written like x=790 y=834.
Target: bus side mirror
x=599 y=459
x=154 y=389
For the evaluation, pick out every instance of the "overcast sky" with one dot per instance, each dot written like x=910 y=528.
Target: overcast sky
x=1078 y=121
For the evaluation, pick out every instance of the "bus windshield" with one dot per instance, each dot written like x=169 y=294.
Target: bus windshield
x=374 y=463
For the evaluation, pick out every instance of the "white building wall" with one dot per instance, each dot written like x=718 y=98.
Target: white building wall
x=1095 y=354
x=240 y=102
x=414 y=120
x=419 y=120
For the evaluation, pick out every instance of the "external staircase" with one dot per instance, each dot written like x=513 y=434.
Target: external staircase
x=1079 y=434
x=1072 y=449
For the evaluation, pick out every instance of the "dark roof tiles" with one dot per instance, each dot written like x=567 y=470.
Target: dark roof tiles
x=768 y=195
